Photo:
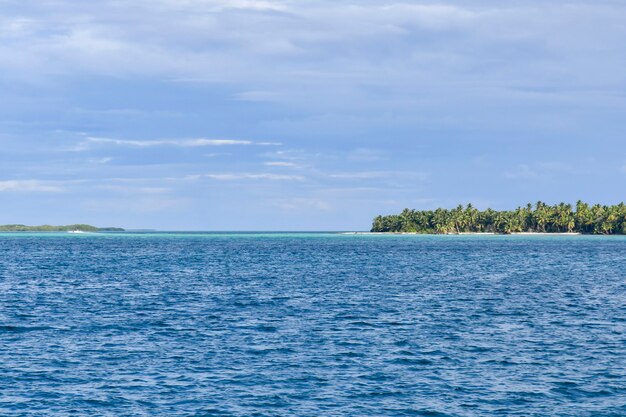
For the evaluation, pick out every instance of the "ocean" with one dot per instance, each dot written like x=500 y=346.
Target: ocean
x=311 y=324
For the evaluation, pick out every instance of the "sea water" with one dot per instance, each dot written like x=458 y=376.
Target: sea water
x=312 y=325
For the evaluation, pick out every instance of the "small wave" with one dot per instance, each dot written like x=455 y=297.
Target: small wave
x=22 y=329
x=266 y=328
x=411 y=361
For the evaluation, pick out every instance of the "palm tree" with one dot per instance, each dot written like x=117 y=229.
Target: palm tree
x=471 y=216
x=583 y=217
x=558 y=218
x=542 y=216
x=564 y=218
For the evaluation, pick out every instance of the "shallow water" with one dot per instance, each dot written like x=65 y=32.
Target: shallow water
x=312 y=325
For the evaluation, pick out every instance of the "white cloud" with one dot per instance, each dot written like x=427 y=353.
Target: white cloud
x=248 y=176
x=140 y=205
x=523 y=171
x=217 y=5
x=371 y=175
x=104 y=160
x=290 y=155
x=134 y=190
x=280 y=164
x=30 y=186
x=537 y=170
x=185 y=143
x=181 y=143
x=340 y=44
x=301 y=203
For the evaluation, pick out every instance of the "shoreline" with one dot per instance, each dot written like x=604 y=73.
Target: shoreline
x=467 y=233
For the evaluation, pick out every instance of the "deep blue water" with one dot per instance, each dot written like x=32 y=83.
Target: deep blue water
x=312 y=325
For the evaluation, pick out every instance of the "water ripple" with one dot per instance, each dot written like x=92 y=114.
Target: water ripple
x=312 y=325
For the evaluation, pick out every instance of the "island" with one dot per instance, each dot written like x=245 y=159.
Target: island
x=48 y=228
x=538 y=218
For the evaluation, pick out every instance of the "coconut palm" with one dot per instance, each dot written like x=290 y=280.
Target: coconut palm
x=596 y=219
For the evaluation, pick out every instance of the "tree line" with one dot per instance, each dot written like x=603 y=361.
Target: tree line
x=541 y=218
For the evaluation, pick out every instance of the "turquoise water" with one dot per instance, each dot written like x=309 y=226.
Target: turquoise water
x=255 y=324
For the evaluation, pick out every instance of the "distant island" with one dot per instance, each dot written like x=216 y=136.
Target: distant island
x=540 y=218
x=47 y=228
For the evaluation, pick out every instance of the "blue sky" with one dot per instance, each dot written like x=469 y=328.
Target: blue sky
x=305 y=115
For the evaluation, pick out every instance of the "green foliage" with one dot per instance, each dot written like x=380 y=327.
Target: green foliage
x=47 y=228
x=543 y=218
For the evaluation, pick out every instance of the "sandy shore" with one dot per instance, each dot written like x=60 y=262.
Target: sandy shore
x=539 y=233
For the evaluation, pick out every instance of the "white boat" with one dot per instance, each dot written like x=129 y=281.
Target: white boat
x=75 y=231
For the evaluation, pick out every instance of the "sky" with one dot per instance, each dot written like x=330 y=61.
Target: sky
x=307 y=114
